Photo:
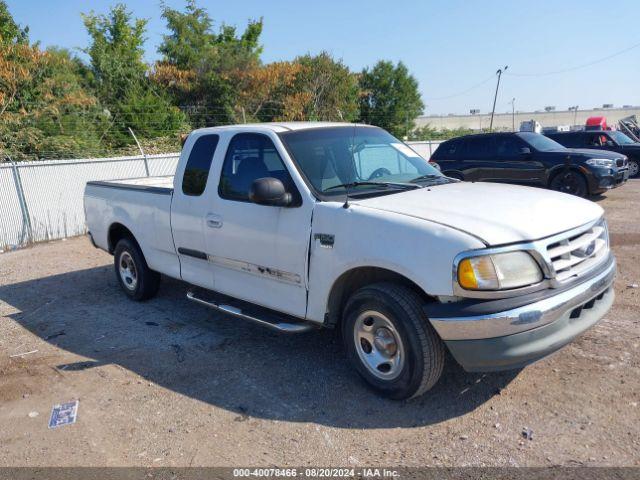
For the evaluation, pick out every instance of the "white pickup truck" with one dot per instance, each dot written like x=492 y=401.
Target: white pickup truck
x=303 y=225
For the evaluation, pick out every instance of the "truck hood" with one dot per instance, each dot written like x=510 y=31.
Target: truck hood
x=495 y=213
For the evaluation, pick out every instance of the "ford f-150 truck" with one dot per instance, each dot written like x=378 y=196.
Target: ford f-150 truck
x=298 y=226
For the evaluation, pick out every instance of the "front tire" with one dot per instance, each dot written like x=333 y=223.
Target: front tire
x=571 y=182
x=135 y=277
x=633 y=168
x=390 y=342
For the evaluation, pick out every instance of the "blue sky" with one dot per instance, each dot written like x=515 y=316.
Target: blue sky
x=449 y=46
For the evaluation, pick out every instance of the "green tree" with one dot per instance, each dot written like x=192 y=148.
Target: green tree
x=331 y=89
x=202 y=68
x=10 y=31
x=389 y=98
x=119 y=76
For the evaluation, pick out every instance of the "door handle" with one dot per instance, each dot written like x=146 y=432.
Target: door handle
x=214 y=221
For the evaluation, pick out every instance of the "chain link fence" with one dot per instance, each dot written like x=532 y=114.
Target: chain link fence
x=43 y=200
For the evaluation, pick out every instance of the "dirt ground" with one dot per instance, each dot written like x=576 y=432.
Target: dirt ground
x=170 y=383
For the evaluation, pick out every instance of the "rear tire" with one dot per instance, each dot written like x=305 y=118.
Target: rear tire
x=571 y=182
x=390 y=342
x=135 y=277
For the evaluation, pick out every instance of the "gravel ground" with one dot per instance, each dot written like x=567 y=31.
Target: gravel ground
x=170 y=383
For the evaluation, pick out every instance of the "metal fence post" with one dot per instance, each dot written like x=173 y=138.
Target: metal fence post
x=26 y=219
x=144 y=155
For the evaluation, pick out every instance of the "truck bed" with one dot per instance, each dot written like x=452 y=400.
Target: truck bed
x=161 y=185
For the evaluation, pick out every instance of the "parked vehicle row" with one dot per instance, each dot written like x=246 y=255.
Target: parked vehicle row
x=609 y=140
x=530 y=158
x=299 y=226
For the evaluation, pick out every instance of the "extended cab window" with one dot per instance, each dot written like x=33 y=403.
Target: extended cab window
x=251 y=156
x=194 y=180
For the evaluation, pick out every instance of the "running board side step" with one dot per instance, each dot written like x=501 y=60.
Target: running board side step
x=266 y=319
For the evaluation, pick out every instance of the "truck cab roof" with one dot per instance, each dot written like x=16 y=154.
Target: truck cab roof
x=277 y=127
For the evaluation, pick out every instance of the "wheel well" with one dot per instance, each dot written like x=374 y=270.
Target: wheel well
x=117 y=232
x=357 y=278
x=554 y=173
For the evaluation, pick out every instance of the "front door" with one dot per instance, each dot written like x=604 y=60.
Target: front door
x=258 y=253
x=513 y=164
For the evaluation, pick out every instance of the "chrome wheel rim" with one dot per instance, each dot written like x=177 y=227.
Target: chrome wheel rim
x=128 y=272
x=379 y=345
x=633 y=168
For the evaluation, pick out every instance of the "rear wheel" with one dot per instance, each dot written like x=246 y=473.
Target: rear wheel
x=571 y=182
x=390 y=341
x=135 y=277
x=633 y=168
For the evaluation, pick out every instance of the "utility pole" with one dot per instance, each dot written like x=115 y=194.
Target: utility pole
x=499 y=74
x=575 y=113
x=513 y=114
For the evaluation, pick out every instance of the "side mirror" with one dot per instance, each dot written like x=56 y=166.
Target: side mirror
x=269 y=191
x=524 y=151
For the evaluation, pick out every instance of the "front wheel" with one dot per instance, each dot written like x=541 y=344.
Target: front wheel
x=570 y=182
x=633 y=168
x=135 y=277
x=390 y=342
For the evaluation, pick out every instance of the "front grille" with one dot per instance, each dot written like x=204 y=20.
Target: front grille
x=575 y=255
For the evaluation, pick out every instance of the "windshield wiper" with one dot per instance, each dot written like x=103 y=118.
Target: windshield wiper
x=347 y=186
x=377 y=184
x=429 y=176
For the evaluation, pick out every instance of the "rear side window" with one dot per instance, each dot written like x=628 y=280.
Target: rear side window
x=196 y=172
x=570 y=140
x=478 y=147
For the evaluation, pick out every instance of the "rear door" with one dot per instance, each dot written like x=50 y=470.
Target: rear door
x=190 y=205
x=478 y=163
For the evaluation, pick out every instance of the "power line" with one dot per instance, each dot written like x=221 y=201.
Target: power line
x=577 y=67
x=479 y=84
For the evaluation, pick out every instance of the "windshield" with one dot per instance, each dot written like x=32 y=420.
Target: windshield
x=334 y=156
x=540 y=142
x=621 y=138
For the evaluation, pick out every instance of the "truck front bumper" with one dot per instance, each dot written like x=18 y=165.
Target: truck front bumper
x=482 y=340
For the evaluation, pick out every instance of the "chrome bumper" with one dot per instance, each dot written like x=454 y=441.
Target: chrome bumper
x=527 y=317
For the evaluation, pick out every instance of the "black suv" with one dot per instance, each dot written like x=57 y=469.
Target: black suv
x=531 y=159
x=612 y=141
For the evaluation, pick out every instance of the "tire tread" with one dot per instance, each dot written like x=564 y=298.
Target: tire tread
x=433 y=350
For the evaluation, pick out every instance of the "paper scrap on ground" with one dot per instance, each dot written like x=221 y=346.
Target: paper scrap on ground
x=64 y=414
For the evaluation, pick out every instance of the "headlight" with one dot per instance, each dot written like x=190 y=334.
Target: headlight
x=601 y=162
x=498 y=271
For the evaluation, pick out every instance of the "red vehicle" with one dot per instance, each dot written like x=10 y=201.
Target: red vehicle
x=597 y=123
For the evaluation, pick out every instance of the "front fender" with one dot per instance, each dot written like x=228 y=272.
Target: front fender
x=419 y=250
